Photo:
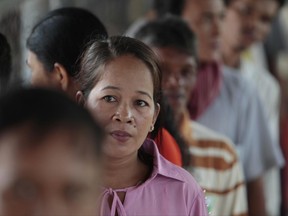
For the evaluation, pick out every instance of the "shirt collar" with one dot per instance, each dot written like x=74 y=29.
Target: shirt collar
x=161 y=166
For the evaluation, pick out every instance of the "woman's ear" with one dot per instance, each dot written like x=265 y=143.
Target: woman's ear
x=80 y=99
x=157 y=111
x=62 y=76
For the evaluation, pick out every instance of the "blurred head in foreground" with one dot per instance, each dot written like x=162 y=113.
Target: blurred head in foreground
x=49 y=155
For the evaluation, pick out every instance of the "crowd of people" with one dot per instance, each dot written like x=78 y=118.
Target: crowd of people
x=180 y=115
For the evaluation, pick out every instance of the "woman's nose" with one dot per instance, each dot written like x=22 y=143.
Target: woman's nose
x=124 y=114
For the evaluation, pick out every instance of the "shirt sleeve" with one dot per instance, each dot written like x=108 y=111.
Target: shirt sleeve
x=254 y=142
x=198 y=206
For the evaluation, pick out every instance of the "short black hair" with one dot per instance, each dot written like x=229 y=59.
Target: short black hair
x=46 y=110
x=61 y=36
x=169 y=31
x=280 y=2
x=227 y=2
x=5 y=64
x=176 y=7
x=164 y=7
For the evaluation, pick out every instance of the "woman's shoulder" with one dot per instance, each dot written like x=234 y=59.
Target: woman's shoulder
x=174 y=183
x=167 y=171
x=178 y=181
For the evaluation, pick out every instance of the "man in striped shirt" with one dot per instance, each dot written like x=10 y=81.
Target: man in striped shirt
x=213 y=159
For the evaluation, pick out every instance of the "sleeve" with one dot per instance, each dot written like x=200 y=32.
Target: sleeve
x=275 y=112
x=238 y=196
x=194 y=197
x=198 y=206
x=254 y=142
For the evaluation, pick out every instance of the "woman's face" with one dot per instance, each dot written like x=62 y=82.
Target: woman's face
x=122 y=101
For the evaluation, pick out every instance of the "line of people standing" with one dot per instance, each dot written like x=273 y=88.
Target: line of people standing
x=204 y=74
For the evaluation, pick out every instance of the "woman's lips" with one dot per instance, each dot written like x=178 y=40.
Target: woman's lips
x=121 y=136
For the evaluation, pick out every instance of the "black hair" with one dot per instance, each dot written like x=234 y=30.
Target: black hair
x=169 y=31
x=46 y=110
x=5 y=64
x=164 y=7
x=280 y=2
x=61 y=35
x=227 y=2
x=169 y=124
x=176 y=7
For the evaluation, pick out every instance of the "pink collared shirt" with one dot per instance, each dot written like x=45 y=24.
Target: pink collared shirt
x=170 y=190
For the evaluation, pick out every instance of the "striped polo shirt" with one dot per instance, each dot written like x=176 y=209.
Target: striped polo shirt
x=215 y=165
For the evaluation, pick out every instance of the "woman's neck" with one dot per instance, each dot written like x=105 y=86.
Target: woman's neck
x=123 y=172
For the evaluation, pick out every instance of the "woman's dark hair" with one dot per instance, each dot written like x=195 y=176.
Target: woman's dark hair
x=5 y=64
x=45 y=110
x=61 y=35
x=100 y=53
x=169 y=31
x=170 y=125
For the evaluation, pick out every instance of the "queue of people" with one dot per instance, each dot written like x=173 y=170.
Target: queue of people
x=175 y=118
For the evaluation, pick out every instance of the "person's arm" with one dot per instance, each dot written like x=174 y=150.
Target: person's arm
x=199 y=207
x=257 y=150
x=238 y=196
x=256 y=197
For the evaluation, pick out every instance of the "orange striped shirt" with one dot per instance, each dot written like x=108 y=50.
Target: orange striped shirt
x=214 y=164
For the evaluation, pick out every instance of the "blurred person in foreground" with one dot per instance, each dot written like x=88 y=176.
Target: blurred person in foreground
x=50 y=151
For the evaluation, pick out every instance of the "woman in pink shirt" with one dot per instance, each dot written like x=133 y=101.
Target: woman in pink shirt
x=120 y=84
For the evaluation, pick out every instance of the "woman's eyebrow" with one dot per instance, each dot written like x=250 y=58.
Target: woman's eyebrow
x=145 y=93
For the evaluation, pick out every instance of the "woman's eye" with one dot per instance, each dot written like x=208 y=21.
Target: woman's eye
x=141 y=103
x=109 y=98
